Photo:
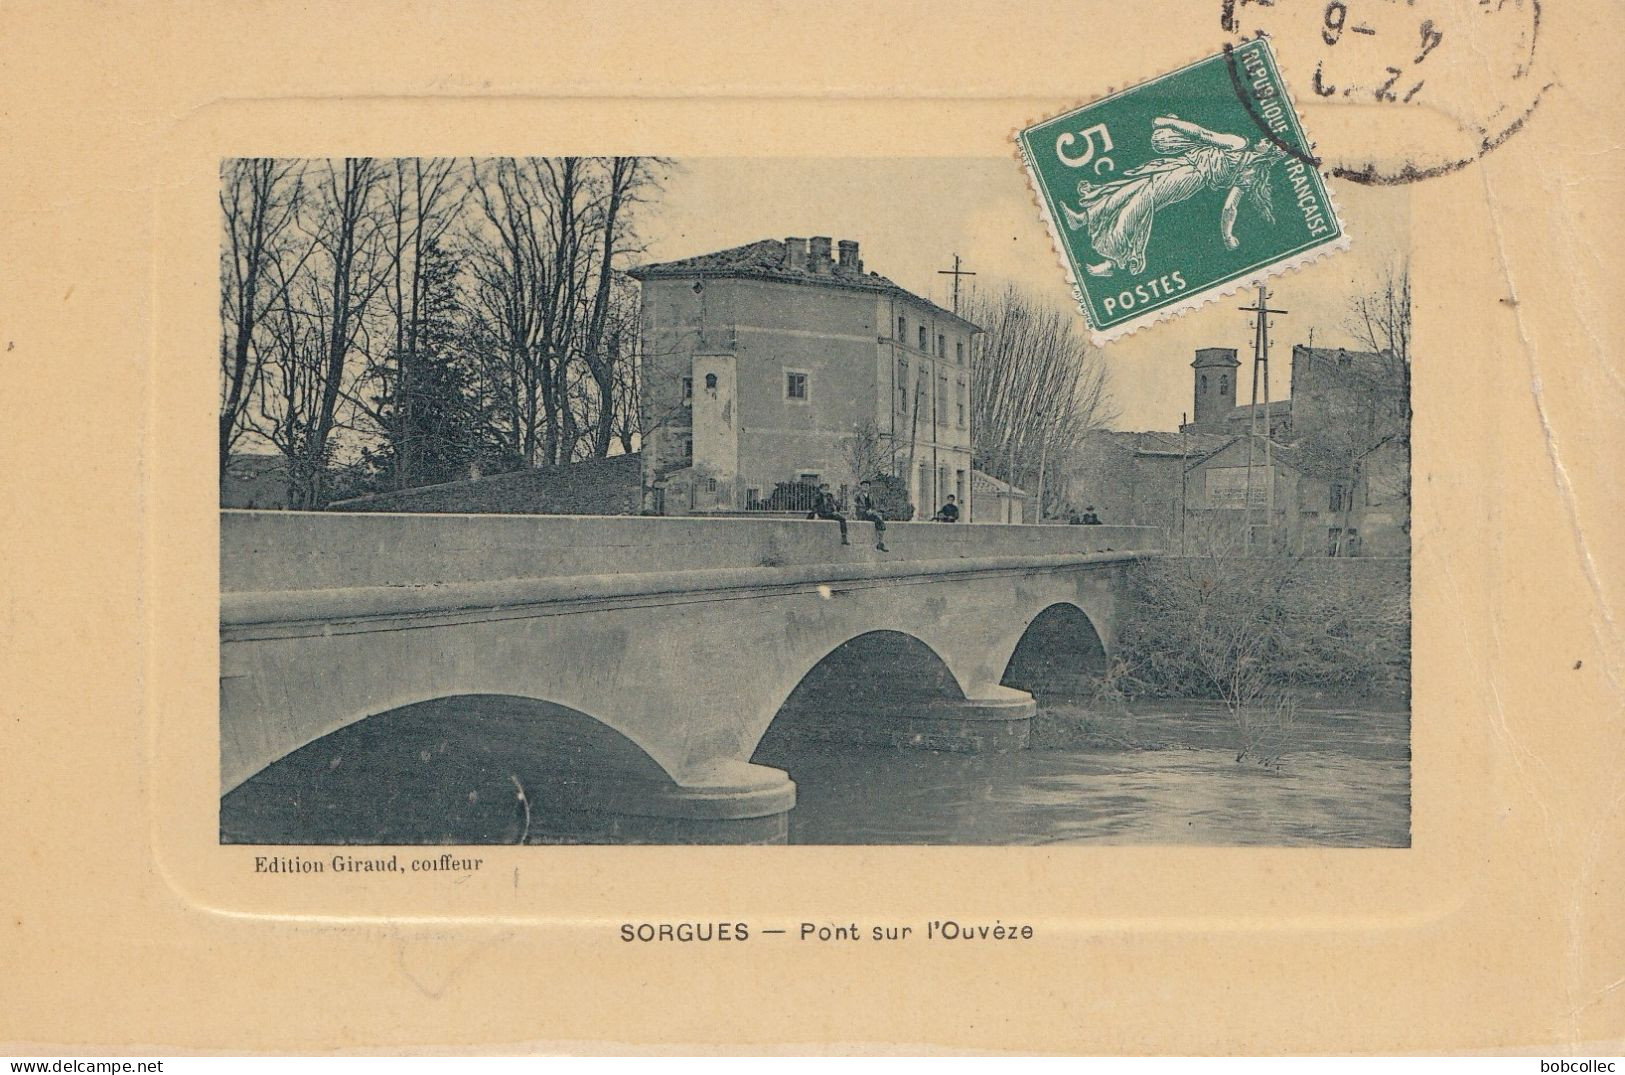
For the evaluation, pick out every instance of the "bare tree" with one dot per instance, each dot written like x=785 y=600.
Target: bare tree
x=526 y=255
x=867 y=452
x=623 y=182
x=1379 y=391
x=327 y=269
x=1040 y=387
x=546 y=255
x=624 y=339
x=509 y=290
x=322 y=322
x=260 y=202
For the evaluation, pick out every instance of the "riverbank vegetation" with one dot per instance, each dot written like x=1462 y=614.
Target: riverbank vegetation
x=1262 y=636
x=1239 y=628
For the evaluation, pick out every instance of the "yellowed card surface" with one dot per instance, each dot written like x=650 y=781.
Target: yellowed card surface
x=198 y=860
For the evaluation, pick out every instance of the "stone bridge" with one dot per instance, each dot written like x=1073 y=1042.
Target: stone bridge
x=646 y=658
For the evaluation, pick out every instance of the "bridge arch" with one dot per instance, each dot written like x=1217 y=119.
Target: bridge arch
x=860 y=685
x=474 y=768
x=464 y=768
x=1060 y=650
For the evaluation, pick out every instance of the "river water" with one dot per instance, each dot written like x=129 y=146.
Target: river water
x=1154 y=773
x=1342 y=780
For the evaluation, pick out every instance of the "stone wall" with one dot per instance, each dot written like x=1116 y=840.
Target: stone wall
x=293 y=550
x=610 y=486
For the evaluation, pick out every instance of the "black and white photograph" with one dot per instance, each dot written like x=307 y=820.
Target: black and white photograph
x=634 y=500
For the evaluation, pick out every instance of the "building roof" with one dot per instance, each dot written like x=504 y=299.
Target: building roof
x=1215 y=356
x=768 y=259
x=1157 y=443
x=986 y=482
x=1278 y=408
x=1376 y=367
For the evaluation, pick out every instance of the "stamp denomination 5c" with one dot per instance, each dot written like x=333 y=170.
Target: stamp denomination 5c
x=1180 y=189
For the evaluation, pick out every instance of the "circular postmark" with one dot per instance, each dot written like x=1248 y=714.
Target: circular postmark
x=1421 y=89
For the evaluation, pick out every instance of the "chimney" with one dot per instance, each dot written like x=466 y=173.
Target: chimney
x=849 y=257
x=795 y=254
x=818 y=259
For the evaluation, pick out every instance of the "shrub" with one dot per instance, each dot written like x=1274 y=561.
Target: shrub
x=891 y=497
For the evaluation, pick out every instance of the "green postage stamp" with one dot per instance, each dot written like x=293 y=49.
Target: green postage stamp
x=1180 y=189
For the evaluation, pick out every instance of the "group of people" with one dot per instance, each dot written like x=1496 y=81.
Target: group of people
x=864 y=507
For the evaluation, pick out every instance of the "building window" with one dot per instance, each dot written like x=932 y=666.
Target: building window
x=959 y=352
x=1224 y=384
x=1204 y=384
x=923 y=345
x=942 y=346
x=959 y=488
x=808 y=477
x=926 y=495
x=1335 y=497
x=902 y=386
x=795 y=385
x=710 y=382
x=1349 y=539
x=688 y=449
x=902 y=330
x=688 y=389
x=959 y=402
x=942 y=397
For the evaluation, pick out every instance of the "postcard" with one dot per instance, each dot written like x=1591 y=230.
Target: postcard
x=969 y=529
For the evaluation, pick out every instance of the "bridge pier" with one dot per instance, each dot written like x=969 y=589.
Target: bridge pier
x=732 y=802
x=995 y=720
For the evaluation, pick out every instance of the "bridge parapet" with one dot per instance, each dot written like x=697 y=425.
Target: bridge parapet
x=286 y=550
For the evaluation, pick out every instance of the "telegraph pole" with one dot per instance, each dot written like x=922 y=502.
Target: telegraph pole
x=956 y=273
x=1261 y=366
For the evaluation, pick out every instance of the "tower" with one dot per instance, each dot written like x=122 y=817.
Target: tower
x=1214 y=387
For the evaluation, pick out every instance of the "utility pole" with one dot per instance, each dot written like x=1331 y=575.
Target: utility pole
x=1261 y=365
x=956 y=274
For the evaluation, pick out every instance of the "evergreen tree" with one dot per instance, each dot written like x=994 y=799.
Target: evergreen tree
x=432 y=420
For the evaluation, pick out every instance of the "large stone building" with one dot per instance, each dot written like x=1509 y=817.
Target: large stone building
x=775 y=365
x=1331 y=478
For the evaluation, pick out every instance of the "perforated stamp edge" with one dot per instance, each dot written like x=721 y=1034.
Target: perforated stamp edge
x=1290 y=263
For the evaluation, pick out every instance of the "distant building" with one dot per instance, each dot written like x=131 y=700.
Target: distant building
x=1331 y=478
x=776 y=365
x=997 y=501
x=1214 y=406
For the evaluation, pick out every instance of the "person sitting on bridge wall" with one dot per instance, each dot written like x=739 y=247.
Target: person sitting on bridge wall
x=864 y=505
x=824 y=507
x=948 y=513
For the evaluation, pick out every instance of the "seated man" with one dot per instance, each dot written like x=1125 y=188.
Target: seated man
x=864 y=505
x=824 y=507
x=948 y=513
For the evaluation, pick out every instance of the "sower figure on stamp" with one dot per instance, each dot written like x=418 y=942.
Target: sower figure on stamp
x=824 y=507
x=864 y=505
x=1119 y=215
